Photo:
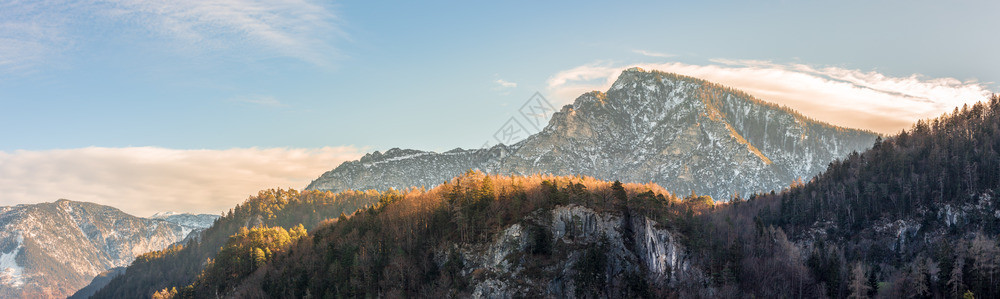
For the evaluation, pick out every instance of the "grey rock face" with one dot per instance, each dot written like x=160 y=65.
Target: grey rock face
x=682 y=133
x=499 y=268
x=53 y=249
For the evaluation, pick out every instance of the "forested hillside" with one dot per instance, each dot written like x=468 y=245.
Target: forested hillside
x=180 y=264
x=478 y=235
x=915 y=216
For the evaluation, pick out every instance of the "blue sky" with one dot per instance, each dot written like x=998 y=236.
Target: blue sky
x=419 y=75
x=303 y=74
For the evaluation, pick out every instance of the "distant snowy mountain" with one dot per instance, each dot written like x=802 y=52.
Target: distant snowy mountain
x=683 y=133
x=50 y=250
x=190 y=222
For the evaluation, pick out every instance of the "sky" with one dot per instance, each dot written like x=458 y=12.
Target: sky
x=194 y=105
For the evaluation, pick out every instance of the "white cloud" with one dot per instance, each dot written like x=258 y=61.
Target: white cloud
x=592 y=75
x=32 y=32
x=851 y=98
x=505 y=84
x=295 y=28
x=27 y=36
x=653 y=54
x=145 y=180
x=566 y=85
x=260 y=100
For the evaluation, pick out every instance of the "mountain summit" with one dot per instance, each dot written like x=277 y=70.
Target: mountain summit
x=683 y=133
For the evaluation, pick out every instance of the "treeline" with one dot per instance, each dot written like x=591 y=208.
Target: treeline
x=951 y=160
x=390 y=248
x=179 y=265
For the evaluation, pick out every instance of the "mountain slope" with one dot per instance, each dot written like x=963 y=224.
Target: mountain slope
x=97 y=283
x=683 y=133
x=180 y=264
x=191 y=224
x=916 y=216
x=53 y=249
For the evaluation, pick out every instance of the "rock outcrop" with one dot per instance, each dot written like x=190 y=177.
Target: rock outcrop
x=634 y=247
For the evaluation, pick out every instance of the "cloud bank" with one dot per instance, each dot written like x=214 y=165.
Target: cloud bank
x=146 y=180
x=845 y=97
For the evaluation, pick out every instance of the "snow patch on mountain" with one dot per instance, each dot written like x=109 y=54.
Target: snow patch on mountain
x=188 y=222
x=194 y=221
x=11 y=274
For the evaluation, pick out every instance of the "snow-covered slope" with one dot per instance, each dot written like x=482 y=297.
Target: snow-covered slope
x=683 y=133
x=191 y=223
x=53 y=249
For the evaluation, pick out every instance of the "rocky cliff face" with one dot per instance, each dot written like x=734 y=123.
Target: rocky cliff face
x=633 y=248
x=683 y=133
x=53 y=249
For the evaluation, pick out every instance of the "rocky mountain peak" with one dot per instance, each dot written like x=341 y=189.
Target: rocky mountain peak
x=683 y=133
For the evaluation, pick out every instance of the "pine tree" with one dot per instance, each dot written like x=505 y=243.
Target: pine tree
x=618 y=194
x=859 y=282
x=955 y=279
x=259 y=257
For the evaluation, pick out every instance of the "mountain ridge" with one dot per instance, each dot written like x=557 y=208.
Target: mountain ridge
x=684 y=133
x=51 y=249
